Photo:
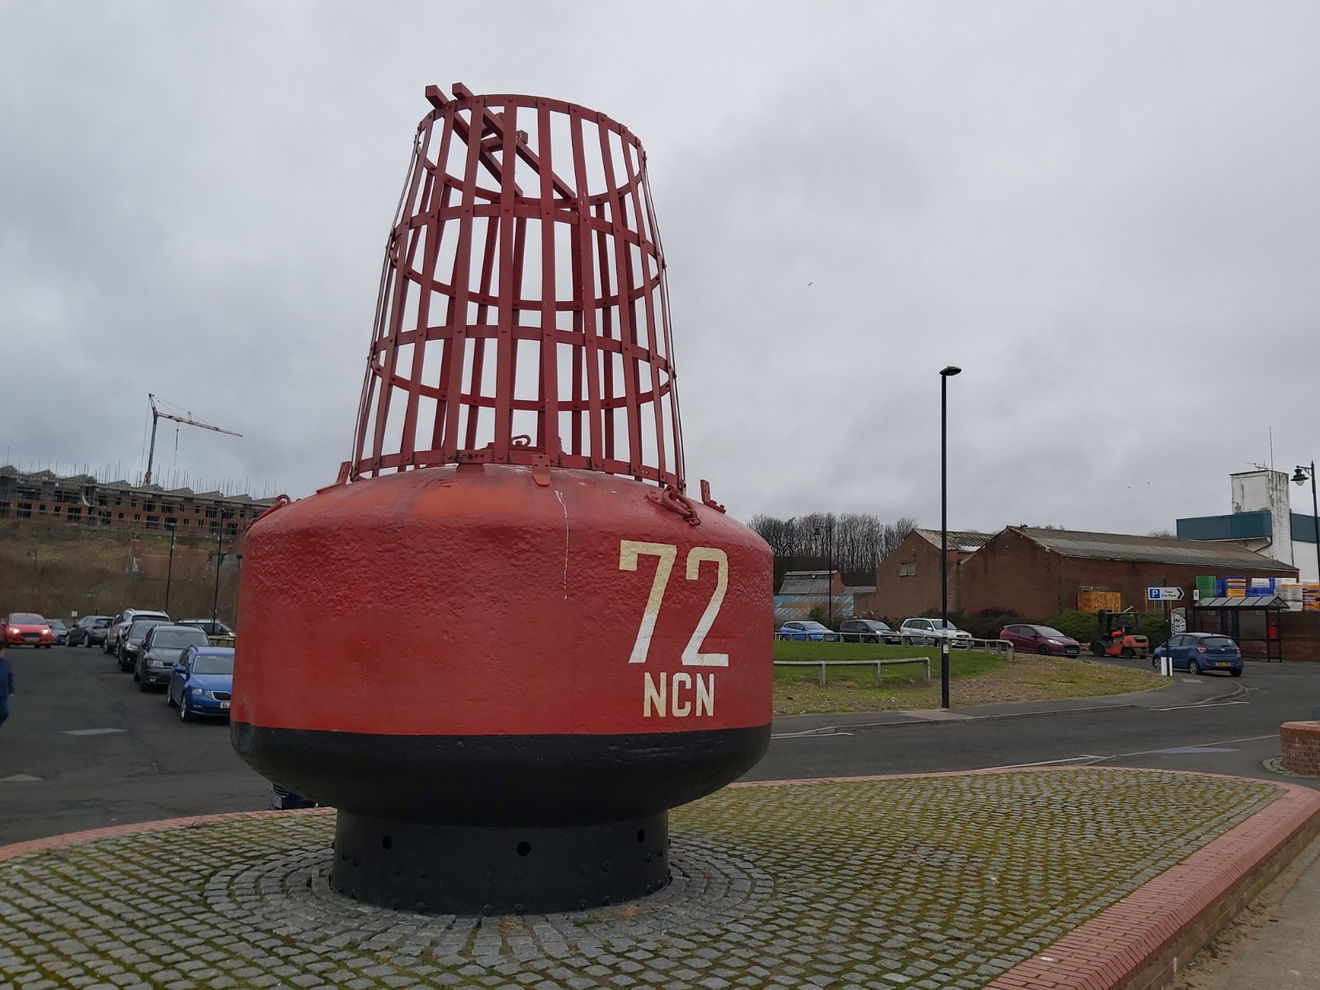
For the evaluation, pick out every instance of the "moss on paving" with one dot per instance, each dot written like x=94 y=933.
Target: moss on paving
x=924 y=882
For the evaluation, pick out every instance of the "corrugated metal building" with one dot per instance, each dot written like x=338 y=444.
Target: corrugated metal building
x=802 y=591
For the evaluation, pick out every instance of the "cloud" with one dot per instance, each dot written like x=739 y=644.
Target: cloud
x=1105 y=213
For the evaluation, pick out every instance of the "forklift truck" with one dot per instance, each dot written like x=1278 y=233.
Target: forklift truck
x=1114 y=636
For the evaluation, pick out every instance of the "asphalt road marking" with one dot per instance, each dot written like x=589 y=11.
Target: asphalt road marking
x=1083 y=760
x=1087 y=759
x=1213 y=742
x=18 y=778
x=89 y=732
x=810 y=733
x=939 y=715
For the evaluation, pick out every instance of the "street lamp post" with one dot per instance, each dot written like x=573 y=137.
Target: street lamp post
x=829 y=567
x=219 y=535
x=1300 y=476
x=169 y=570
x=829 y=571
x=945 y=375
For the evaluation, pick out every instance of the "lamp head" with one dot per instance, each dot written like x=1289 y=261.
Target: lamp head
x=950 y=371
x=1300 y=475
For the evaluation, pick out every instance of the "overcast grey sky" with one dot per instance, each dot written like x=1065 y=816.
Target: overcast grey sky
x=1107 y=213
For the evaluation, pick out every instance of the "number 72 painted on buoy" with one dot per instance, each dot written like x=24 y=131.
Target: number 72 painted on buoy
x=667 y=553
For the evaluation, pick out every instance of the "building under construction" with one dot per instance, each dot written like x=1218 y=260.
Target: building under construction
x=82 y=500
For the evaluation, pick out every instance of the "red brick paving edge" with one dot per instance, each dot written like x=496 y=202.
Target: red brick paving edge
x=1141 y=942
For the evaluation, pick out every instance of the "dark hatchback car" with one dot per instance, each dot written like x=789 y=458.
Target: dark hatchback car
x=1040 y=639
x=162 y=647
x=90 y=630
x=867 y=631
x=1201 y=653
x=130 y=644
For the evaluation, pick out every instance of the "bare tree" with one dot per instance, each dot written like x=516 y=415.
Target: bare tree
x=852 y=543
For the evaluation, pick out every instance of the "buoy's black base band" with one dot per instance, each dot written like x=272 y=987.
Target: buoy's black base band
x=543 y=780
x=458 y=869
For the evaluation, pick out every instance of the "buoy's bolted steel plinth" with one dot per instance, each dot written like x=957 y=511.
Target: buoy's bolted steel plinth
x=460 y=869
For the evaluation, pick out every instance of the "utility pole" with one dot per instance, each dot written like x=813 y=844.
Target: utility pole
x=156 y=416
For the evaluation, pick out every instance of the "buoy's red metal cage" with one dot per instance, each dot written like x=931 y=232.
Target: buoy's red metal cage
x=522 y=316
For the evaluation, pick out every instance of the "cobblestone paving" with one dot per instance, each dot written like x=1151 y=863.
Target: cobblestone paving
x=927 y=883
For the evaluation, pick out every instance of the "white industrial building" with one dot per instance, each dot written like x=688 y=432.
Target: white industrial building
x=1263 y=520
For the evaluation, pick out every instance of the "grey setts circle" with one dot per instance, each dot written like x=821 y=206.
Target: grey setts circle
x=288 y=893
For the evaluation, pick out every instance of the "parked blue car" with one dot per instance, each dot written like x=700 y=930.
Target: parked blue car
x=202 y=682
x=1201 y=653
x=806 y=629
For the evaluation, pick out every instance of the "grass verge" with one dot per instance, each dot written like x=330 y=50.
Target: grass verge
x=975 y=679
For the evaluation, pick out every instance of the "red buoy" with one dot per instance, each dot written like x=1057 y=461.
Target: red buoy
x=507 y=641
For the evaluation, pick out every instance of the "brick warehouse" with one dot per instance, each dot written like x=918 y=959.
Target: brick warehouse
x=908 y=580
x=1040 y=572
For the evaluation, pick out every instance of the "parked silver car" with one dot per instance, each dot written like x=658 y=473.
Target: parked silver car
x=931 y=632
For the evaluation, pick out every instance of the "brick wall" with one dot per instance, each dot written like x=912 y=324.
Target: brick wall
x=1300 y=633
x=899 y=594
x=1301 y=747
x=1014 y=573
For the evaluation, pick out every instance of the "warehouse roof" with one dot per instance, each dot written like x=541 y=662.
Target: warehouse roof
x=962 y=540
x=806 y=582
x=1251 y=601
x=1212 y=555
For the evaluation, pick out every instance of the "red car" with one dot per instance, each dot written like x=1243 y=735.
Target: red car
x=1040 y=639
x=26 y=629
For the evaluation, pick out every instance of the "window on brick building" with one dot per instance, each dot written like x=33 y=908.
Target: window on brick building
x=907 y=568
x=24 y=510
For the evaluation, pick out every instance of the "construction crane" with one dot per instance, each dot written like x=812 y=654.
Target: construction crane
x=156 y=416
